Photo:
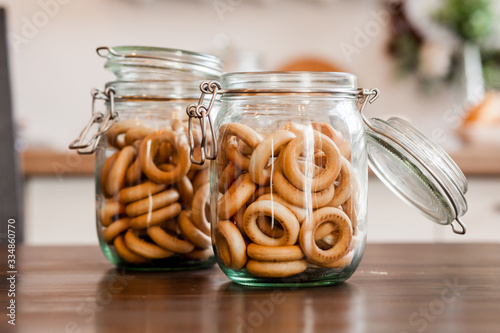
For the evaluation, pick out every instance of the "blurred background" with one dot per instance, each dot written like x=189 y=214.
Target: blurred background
x=436 y=63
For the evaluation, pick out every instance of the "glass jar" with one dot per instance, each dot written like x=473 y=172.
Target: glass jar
x=151 y=201
x=289 y=183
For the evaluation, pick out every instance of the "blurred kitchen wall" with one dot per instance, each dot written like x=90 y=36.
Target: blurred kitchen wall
x=54 y=65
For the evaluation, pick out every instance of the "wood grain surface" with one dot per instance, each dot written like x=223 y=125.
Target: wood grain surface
x=397 y=288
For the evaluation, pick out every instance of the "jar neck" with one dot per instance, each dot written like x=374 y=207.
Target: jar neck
x=289 y=82
x=159 y=90
x=150 y=72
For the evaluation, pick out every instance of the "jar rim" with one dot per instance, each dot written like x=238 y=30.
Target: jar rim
x=289 y=80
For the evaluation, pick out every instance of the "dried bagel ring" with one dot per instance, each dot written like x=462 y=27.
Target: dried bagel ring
x=202 y=177
x=137 y=133
x=116 y=176
x=200 y=254
x=238 y=219
x=138 y=192
x=192 y=233
x=236 y=196
x=326 y=235
x=244 y=148
x=222 y=160
x=201 y=208
x=319 y=161
x=328 y=241
x=115 y=229
x=268 y=148
x=309 y=169
x=260 y=191
x=343 y=190
x=165 y=154
x=299 y=212
x=226 y=179
x=349 y=207
x=156 y=217
x=291 y=168
x=108 y=164
x=169 y=242
x=230 y=244
x=297 y=197
x=121 y=127
x=340 y=263
x=281 y=215
x=243 y=133
x=274 y=253
x=124 y=253
x=149 y=148
x=235 y=156
x=324 y=230
x=276 y=269
x=274 y=231
x=309 y=227
x=186 y=191
x=111 y=209
x=152 y=203
x=296 y=128
x=336 y=136
x=191 y=174
x=143 y=248
x=133 y=175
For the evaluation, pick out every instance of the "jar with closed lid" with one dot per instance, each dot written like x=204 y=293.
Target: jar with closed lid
x=151 y=201
x=289 y=181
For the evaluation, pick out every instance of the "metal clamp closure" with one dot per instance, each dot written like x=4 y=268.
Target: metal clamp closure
x=102 y=123
x=202 y=113
x=366 y=96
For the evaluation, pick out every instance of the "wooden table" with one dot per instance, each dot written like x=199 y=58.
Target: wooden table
x=397 y=288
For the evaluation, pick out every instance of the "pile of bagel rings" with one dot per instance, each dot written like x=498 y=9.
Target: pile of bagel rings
x=286 y=200
x=156 y=202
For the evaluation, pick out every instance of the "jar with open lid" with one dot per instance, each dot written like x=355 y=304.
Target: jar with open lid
x=289 y=182
x=151 y=201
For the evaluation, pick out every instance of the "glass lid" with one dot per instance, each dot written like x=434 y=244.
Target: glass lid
x=137 y=63
x=415 y=168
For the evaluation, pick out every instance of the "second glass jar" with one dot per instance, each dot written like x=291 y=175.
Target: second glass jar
x=289 y=185
x=151 y=200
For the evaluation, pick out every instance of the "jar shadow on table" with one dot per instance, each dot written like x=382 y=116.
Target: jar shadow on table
x=154 y=301
x=242 y=309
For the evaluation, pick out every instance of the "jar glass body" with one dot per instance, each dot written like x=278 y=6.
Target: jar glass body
x=289 y=185
x=146 y=186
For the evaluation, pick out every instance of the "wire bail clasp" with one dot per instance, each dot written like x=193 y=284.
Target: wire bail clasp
x=202 y=112
x=366 y=96
x=102 y=123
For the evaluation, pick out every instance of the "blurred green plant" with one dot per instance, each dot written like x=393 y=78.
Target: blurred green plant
x=471 y=20
x=491 y=68
x=405 y=48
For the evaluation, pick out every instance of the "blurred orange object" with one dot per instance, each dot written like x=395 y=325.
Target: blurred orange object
x=486 y=112
x=310 y=64
x=482 y=123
